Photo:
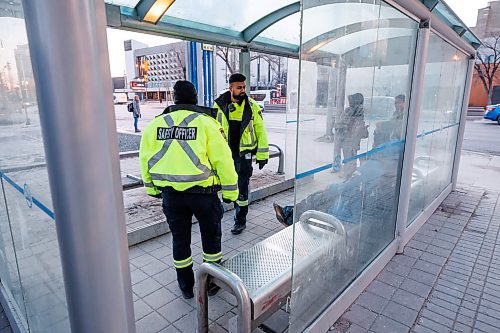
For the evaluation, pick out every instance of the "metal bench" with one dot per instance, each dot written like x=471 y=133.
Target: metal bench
x=261 y=277
x=422 y=167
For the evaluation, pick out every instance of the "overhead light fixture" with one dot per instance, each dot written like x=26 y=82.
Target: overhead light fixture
x=318 y=46
x=157 y=10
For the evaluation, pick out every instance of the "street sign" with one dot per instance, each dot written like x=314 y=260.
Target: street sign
x=207 y=47
x=137 y=85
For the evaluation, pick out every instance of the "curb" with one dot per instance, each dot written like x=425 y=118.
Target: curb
x=160 y=226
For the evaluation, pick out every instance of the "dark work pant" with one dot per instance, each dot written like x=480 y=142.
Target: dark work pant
x=179 y=209
x=244 y=170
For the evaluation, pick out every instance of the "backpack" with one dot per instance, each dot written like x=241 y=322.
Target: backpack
x=130 y=107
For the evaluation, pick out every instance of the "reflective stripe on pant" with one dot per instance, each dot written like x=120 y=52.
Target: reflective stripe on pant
x=217 y=257
x=244 y=170
x=179 y=209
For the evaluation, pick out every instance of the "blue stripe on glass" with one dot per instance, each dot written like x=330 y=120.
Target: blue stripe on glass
x=370 y=152
x=37 y=202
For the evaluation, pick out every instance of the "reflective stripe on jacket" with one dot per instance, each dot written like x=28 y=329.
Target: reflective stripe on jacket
x=186 y=148
x=253 y=136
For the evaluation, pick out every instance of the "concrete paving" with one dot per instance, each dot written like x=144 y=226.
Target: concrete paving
x=479 y=170
x=448 y=279
x=158 y=304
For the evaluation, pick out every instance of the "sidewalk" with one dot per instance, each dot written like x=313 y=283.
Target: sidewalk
x=447 y=280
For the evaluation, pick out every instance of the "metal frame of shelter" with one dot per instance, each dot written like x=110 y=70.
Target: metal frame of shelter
x=91 y=225
x=248 y=39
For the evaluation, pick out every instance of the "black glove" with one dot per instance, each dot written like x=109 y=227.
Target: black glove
x=261 y=163
x=227 y=200
x=157 y=196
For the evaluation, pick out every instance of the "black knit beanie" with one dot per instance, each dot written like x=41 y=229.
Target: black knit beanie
x=185 y=93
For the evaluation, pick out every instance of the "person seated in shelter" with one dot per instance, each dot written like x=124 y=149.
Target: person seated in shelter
x=341 y=200
x=367 y=190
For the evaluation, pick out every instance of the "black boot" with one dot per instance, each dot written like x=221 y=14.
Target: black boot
x=213 y=289
x=238 y=228
x=187 y=294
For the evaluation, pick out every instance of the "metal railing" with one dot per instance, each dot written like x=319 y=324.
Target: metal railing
x=133 y=181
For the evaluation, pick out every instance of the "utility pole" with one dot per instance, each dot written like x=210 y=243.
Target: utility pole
x=279 y=70
x=258 y=72
x=24 y=90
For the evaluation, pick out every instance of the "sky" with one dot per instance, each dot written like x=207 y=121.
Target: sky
x=465 y=9
x=116 y=51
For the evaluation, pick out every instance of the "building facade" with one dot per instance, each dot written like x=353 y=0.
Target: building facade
x=488 y=20
x=152 y=71
x=26 y=81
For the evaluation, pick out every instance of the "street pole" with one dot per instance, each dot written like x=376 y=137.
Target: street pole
x=24 y=95
x=279 y=70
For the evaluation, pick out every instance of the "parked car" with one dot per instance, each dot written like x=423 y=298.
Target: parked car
x=259 y=103
x=492 y=112
x=265 y=97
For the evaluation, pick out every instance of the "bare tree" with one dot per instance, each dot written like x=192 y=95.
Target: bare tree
x=277 y=65
x=227 y=55
x=488 y=63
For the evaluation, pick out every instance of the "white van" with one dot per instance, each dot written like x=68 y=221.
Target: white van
x=120 y=98
x=265 y=97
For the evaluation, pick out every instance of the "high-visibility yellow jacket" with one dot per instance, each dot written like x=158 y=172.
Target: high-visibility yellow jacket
x=184 y=147
x=253 y=136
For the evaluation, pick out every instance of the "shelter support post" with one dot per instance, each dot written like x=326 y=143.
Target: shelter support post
x=245 y=66
x=67 y=41
x=463 y=118
x=415 y=105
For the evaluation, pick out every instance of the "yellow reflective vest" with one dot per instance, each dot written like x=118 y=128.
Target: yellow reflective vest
x=253 y=133
x=185 y=147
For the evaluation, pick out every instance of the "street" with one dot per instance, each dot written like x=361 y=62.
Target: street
x=482 y=136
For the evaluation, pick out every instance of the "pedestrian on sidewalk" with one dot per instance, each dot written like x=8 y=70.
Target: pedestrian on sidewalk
x=243 y=124
x=137 y=112
x=350 y=129
x=185 y=160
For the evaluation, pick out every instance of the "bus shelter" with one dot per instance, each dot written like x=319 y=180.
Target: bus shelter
x=381 y=172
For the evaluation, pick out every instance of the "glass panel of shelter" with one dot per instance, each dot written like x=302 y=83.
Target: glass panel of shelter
x=233 y=15
x=29 y=253
x=444 y=82
x=350 y=176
